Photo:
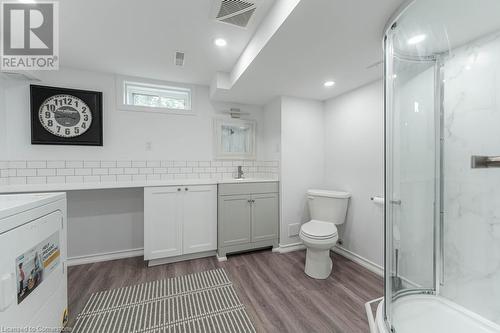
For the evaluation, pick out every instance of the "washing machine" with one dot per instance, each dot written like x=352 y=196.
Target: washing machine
x=33 y=273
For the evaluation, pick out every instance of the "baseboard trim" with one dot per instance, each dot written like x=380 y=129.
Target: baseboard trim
x=182 y=257
x=99 y=257
x=290 y=248
x=371 y=266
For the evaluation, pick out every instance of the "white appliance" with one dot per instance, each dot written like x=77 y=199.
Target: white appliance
x=33 y=276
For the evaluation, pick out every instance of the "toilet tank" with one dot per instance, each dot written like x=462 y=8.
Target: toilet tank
x=328 y=206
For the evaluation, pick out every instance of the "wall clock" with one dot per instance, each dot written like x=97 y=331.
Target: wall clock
x=62 y=116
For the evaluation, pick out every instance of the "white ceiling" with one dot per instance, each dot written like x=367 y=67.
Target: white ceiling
x=320 y=40
x=139 y=38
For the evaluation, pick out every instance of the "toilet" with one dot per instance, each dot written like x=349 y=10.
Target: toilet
x=327 y=208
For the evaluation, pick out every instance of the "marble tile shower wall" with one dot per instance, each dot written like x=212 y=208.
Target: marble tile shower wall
x=471 y=196
x=60 y=172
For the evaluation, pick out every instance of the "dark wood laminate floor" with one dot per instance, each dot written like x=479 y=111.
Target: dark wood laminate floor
x=277 y=294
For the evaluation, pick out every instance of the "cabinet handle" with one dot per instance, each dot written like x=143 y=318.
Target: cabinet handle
x=186 y=189
x=179 y=189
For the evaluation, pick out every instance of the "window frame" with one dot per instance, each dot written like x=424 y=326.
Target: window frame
x=123 y=82
x=218 y=122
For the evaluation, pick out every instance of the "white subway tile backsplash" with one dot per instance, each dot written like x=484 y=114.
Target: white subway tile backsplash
x=74 y=164
x=108 y=164
x=116 y=171
x=36 y=180
x=138 y=164
x=26 y=172
x=92 y=164
x=40 y=172
x=145 y=171
x=91 y=179
x=17 y=180
x=153 y=177
x=56 y=180
x=83 y=172
x=166 y=164
x=65 y=172
x=36 y=164
x=136 y=178
x=17 y=164
x=131 y=171
x=153 y=164
x=160 y=170
x=174 y=170
x=46 y=172
x=108 y=178
x=56 y=164
x=124 y=164
x=99 y=171
x=180 y=163
x=123 y=178
x=74 y=179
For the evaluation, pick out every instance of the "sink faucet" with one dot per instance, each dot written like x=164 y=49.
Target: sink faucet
x=240 y=172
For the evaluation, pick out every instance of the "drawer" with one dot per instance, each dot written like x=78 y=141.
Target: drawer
x=248 y=188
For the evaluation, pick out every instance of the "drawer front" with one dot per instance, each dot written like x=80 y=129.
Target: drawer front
x=248 y=188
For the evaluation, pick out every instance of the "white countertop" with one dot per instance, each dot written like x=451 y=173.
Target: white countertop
x=114 y=185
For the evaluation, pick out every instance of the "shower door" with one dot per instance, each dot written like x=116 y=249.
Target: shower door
x=412 y=176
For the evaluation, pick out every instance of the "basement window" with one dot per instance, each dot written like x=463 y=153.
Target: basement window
x=153 y=97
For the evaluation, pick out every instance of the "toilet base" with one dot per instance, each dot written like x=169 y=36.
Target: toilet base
x=318 y=263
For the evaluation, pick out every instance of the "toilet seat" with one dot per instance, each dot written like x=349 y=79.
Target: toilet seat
x=320 y=230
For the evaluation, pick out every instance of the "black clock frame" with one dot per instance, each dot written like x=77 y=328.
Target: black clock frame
x=40 y=136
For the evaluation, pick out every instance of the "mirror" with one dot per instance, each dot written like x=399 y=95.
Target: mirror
x=234 y=139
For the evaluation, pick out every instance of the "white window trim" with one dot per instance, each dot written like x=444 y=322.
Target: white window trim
x=219 y=154
x=120 y=82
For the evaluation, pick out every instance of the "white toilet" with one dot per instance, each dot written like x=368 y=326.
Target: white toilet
x=327 y=208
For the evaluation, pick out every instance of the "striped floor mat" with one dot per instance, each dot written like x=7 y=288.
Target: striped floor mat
x=195 y=303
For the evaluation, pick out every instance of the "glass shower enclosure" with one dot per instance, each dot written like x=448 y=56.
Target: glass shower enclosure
x=442 y=211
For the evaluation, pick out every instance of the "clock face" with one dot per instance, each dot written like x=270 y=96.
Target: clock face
x=66 y=116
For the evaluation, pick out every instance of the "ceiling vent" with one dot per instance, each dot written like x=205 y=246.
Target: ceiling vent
x=235 y=12
x=179 y=58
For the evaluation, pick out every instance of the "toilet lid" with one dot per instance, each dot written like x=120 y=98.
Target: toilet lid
x=319 y=229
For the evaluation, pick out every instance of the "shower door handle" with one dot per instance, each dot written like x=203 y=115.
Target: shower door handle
x=480 y=162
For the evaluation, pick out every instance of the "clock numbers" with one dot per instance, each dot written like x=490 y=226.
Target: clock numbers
x=65 y=116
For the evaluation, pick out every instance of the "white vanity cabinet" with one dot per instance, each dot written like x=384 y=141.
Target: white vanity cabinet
x=180 y=222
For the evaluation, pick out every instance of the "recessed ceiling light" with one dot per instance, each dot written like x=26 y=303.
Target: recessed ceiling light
x=416 y=39
x=329 y=83
x=220 y=42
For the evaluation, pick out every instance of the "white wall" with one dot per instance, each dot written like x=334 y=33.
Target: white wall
x=105 y=221
x=302 y=161
x=110 y=221
x=125 y=133
x=272 y=130
x=354 y=131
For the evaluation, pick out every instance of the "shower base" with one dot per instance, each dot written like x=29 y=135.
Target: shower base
x=432 y=314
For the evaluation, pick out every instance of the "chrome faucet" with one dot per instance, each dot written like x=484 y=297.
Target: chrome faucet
x=240 y=172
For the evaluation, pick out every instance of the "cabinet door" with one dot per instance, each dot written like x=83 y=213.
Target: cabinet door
x=265 y=216
x=234 y=220
x=162 y=222
x=200 y=218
